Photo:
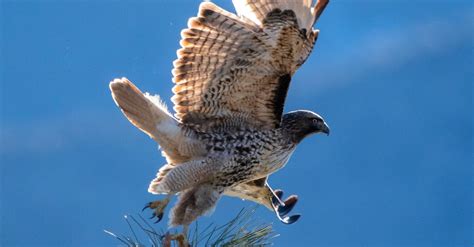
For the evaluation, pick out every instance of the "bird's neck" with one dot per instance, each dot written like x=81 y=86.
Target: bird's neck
x=293 y=135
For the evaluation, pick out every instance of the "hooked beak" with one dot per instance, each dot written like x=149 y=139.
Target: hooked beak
x=325 y=129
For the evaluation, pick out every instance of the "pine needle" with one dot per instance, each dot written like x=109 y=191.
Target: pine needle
x=240 y=231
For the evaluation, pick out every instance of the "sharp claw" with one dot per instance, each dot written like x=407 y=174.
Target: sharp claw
x=275 y=201
x=290 y=202
x=146 y=206
x=278 y=193
x=153 y=215
x=159 y=217
x=283 y=208
x=276 y=198
x=292 y=219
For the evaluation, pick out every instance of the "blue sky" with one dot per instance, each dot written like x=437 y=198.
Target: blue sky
x=392 y=78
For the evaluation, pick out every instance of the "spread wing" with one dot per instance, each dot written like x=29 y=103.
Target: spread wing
x=235 y=70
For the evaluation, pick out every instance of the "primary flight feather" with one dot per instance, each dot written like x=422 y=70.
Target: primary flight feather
x=229 y=132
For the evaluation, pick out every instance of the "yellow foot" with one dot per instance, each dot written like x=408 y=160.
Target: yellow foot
x=181 y=239
x=158 y=208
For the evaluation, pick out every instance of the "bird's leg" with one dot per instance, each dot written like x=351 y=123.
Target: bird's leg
x=158 y=207
x=284 y=208
x=260 y=192
x=276 y=197
x=180 y=238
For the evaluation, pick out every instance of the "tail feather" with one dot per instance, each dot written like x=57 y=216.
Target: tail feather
x=142 y=110
x=149 y=114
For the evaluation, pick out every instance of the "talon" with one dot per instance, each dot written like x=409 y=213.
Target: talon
x=290 y=202
x=292 y=219
x=278 y=193
x=283 y=208
x=275 y=201
x=158 y=208
x=166 y=240
x=276 y=198
x=159 y=217
x=146 y=206
x=181 y=240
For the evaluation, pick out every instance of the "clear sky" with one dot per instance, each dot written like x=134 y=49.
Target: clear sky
x=392 y=78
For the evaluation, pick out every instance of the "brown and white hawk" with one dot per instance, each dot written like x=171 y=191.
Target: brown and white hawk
x=229 y=132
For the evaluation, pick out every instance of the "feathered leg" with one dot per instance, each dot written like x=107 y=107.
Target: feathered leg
x=159 y=207
x=191 y=204
x=260 y=192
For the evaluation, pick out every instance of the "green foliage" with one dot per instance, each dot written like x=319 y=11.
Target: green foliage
x=240 y=231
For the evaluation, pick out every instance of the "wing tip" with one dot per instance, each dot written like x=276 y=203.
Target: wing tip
x=118 y=82
x=319 y=8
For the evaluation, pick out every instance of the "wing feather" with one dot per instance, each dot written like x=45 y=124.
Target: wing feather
x=235 y=70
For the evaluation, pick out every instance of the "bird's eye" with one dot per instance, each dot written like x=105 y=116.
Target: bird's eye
x=315 y=120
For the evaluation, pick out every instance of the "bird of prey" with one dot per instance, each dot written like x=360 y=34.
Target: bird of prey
x=229 y=132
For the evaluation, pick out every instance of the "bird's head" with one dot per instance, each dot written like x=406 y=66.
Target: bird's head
x=300 y=124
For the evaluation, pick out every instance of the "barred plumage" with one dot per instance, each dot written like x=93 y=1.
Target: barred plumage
x=229 y=133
